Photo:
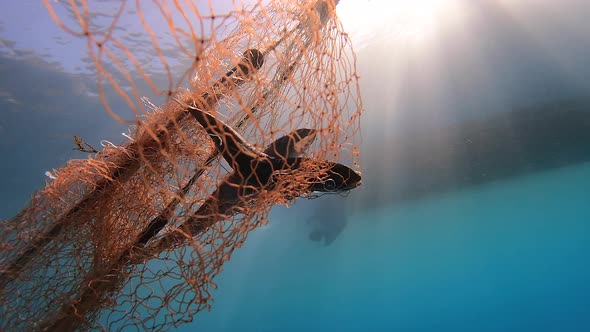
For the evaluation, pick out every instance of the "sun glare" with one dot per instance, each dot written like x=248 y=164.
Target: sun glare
x=412 y=20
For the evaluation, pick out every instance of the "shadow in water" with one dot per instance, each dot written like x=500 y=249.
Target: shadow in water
x=421 y=162
x=328 y=220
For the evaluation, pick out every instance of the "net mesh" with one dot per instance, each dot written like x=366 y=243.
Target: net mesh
x=111 y=242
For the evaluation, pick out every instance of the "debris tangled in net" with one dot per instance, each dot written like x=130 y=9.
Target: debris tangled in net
x=267 y=112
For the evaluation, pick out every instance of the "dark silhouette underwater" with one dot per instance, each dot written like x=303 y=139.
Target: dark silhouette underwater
x=328 y=220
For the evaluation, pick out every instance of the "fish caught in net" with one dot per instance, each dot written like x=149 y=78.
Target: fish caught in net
x=266 y=111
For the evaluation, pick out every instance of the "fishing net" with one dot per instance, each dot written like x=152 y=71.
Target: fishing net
x=110 y=242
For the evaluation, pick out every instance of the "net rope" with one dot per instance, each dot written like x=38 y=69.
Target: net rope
x=134 y=235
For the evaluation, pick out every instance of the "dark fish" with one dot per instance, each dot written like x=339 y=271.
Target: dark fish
x=254 y=170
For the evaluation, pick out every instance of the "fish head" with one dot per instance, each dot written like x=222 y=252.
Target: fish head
x=338 y=178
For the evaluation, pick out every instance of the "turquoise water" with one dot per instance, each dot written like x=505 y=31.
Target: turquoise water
x=507 y=256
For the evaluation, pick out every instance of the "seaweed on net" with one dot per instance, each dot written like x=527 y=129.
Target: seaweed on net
x=92 y=249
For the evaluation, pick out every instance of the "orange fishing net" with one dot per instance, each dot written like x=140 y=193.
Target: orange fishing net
x=265 y=109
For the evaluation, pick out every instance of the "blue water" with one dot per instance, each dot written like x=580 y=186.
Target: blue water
x=508 y=256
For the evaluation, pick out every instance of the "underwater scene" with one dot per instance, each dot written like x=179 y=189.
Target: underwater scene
x=309 y=165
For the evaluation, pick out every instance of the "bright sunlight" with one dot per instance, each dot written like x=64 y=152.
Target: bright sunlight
x=414 y=21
